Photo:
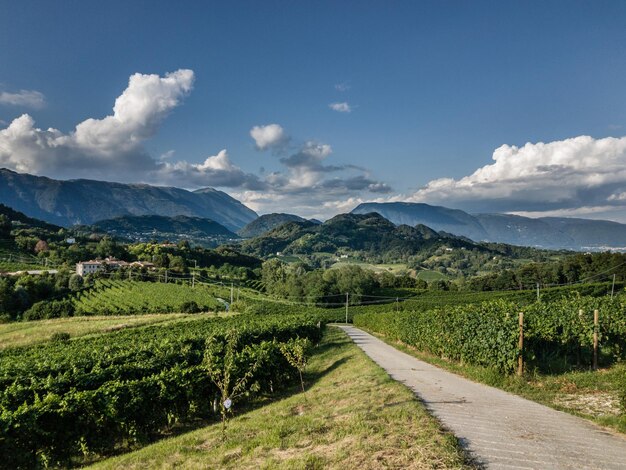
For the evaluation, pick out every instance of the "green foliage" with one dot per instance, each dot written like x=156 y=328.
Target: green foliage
x=571 y=269
x=60 y=400
x=297 y=352
x=75 y=282
x=50 y=309
x=556 y=336
x=5 y=226
x=230 y=367
x=19 y=293
x=136 y=297
x=191 y=306
x=60 y=337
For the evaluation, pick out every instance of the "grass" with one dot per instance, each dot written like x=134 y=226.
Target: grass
x=393 y=268
x=353 y=415
x=31 y=332
x=593 y=395
x=11 y=267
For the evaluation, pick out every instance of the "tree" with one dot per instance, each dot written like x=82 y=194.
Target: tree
x=177 y=263
x=274 y=275
x=5 y=226
x=76 y=282
x=297 y=352
x=41 y=246
x=229 y=370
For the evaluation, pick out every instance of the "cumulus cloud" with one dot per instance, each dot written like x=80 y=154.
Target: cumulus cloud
x=216 y=170
x=24 y=98
x=538 y=177
x=340 y=107
x=269 y=136
x=111 y=146
x=343 y=86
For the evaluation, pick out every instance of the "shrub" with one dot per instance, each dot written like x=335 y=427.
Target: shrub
x=60 y=337
x=50 y=309
x=190 y=307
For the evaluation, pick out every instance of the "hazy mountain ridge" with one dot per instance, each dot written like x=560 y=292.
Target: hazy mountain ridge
x=545 y=232
x=87 y=201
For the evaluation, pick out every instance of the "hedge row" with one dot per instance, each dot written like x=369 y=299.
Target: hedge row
x=487 y=334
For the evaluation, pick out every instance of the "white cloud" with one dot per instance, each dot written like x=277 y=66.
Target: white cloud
x=566 y=174
x=112 y=148
x=343 y=86
x=269 y=136
x=216 y=170
x=584 y=212
x=105 y=148
x=24 y=98
x=340 y=107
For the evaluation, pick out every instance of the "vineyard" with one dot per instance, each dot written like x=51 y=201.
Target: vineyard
x=65 y=400
x=131 y=297
x=557 y=334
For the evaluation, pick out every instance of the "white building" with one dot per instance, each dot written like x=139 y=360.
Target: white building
x=93 y=266
x=88 y=267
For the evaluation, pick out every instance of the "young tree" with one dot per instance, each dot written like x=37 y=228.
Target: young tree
x=230 y=370
x=297 y=352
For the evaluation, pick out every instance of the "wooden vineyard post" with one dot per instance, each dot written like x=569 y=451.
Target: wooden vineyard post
x=520 y=346
x=581 y=314
x=596 y=318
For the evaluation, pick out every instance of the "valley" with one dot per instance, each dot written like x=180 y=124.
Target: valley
x=173 y=305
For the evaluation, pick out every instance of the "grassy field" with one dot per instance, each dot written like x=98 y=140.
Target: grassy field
x=593 y=395
x=352 y=416
x=27 y=333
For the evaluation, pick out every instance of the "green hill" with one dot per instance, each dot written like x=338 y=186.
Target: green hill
x=267 y=222
x=368 y=233
x=201 y=231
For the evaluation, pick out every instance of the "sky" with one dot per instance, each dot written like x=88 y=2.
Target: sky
x=314 y=107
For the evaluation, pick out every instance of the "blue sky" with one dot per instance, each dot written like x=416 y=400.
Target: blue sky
x=432 y=89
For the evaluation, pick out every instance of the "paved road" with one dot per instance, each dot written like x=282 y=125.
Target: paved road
x=500 y=430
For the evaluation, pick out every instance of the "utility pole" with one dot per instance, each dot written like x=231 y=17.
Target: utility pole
x=193 y=274
x=347 y=300
x=613 y=287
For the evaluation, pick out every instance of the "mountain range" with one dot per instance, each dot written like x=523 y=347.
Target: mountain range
x=544 y=232
x=83 y=201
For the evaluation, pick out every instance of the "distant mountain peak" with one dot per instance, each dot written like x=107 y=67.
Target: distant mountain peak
x=545 y=232
x=87 y=201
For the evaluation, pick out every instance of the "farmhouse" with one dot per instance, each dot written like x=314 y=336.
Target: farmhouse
x=93 y=266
